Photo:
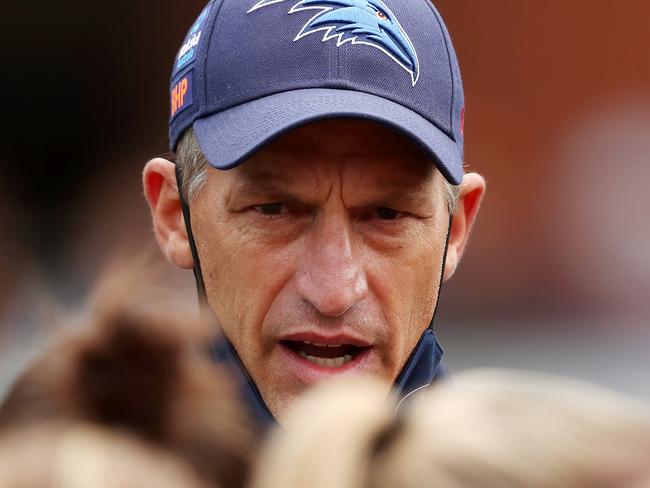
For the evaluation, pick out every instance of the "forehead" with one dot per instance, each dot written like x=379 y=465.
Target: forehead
x=350 y=145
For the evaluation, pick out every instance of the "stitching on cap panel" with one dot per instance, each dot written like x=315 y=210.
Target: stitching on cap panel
x=207 y=50
x=451 y=69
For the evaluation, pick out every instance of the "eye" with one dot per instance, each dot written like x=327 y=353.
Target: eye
x=385 y=213
x=271 y=208
x=381 y=15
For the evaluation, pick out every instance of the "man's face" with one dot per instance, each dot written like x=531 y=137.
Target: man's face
x=322 y=254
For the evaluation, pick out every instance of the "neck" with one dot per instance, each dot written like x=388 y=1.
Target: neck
x=422 y=368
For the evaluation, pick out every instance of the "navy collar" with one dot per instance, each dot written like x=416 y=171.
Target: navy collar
x=423 y=368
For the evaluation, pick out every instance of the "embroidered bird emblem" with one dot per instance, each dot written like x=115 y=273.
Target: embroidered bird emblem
x=366 y=22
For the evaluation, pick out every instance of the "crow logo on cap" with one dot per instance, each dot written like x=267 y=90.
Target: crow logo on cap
x=367 y=22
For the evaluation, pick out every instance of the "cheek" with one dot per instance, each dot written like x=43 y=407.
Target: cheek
x=409 y=295
x=242 y=275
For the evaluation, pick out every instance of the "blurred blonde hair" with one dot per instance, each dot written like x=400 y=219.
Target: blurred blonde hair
x=327 y=438
x=487 y=429
x=83 y=455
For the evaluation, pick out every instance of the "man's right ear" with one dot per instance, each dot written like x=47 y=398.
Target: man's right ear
x=161 y=191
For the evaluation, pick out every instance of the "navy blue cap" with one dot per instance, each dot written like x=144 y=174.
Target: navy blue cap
x=250 y=70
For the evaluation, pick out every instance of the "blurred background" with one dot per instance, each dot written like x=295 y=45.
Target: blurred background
x=557 y=275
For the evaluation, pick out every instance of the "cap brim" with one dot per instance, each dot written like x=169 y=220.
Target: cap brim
x=229 y=137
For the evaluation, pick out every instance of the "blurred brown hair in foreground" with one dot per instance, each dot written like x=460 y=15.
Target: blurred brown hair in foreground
x=487 y=429
x=128 y=400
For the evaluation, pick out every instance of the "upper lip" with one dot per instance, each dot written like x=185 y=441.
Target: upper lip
x=329 y=340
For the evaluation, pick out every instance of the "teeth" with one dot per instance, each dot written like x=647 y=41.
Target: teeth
x=327 y=362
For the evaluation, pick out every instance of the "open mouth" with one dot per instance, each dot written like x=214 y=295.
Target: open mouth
x=325 y=355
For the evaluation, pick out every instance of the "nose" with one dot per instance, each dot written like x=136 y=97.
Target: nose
x=331 y=275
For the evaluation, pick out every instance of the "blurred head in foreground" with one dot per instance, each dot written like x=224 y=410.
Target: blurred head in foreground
x=488 y=429
x=131 y=390
x=82 y=455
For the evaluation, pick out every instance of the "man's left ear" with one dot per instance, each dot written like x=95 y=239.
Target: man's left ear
x=472 y=190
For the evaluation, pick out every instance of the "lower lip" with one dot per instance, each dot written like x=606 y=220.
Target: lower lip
x=309 y=372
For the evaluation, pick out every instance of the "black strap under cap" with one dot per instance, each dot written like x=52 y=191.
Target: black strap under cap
x=442 y=271
x=198 y=275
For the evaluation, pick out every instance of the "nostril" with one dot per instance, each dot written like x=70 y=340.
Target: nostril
x=335 y=303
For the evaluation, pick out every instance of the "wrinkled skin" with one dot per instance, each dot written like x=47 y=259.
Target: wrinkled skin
x=313 y=240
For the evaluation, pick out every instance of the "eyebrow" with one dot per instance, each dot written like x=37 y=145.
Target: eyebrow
x=262 y=181
x=393 y=189
x=407 y=199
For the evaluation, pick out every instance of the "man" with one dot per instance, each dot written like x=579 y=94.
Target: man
x=319 y=163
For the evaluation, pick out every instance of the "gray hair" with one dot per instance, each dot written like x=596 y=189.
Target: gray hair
x=193 y=167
